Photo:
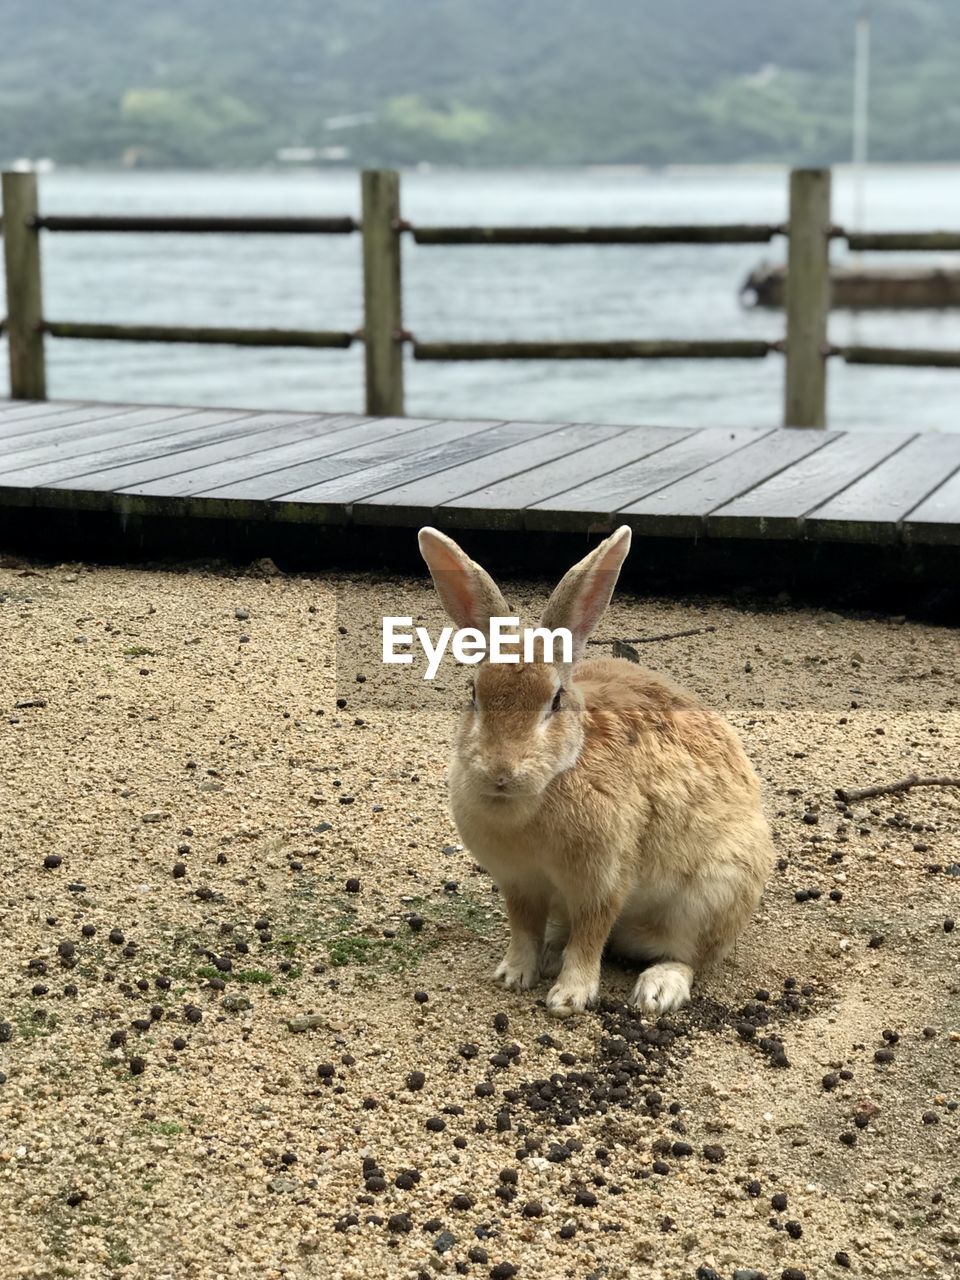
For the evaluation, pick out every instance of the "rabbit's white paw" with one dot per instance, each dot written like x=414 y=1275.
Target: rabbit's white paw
x=569 y=996
x=663 y=988
x=518 y=974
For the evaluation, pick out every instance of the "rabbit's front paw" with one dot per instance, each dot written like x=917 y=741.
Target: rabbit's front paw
x=662 y=988
x=567 y=996
x=517 y=975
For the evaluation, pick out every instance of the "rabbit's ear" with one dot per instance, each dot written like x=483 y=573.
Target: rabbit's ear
x=579 y=600
x=469 y=595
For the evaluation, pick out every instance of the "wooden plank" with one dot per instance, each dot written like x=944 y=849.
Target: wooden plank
x=81 y=438
x=382 y=296
x=679 y=510
x=623 y=446
x=580 y=349
x=204 y=427
x=24 y=410
x=271 y=472
x=471 y=510
x=38 y=428
x=936 y=519
x=137 y=426
x=603 y=233
x=773 y=508
x=808 y=299
x=21 y=252
x=871 y=509
x=199 y=334
x=431 y=464
x=188 y=455
x=443 y=444
x=418 y=500
x=593 y=503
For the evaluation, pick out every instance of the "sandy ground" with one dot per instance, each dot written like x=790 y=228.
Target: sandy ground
x=198 y=845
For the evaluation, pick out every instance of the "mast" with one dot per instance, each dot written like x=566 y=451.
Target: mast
x=861 y=91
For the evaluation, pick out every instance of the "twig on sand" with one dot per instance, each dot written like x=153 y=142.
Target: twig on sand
x=891 y=788
x=669 y=635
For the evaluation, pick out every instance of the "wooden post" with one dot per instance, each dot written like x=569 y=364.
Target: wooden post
x=808 y=299
x=21 y=247
x=382 y=300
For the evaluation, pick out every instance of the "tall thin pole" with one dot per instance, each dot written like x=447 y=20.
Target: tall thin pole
x=808 y=299
x=21 y=249
x=382 y=299
x=861 y=104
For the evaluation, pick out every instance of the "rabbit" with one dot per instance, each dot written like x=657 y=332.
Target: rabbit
x=612 y=808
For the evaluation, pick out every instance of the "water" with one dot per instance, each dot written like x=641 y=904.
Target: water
x=673 y=291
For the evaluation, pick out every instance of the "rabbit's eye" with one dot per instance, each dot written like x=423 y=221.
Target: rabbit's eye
x=557 y=700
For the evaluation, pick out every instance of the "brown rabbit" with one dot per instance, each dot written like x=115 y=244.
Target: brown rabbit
x=609 y=805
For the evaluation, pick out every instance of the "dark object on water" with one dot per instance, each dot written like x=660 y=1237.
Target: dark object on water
x=865 y=288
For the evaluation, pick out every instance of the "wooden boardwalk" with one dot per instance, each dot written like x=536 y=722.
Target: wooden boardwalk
x=765 y=485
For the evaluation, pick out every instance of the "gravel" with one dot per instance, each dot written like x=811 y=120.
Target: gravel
x=303 y=1065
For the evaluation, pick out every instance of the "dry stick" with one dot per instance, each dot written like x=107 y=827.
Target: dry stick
x=891 y=788
x=670 y=635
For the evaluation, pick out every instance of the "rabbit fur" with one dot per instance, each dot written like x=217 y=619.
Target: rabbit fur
x=611 y=806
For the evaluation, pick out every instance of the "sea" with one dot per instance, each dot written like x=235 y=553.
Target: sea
x=467 y=292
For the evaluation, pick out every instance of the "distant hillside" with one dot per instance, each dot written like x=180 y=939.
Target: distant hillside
x=229 y=82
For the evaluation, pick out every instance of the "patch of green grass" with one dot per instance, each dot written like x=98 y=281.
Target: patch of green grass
x=31 y=1028
x=139 y=651
x=351 y=949
x=469 y=912
x=391 y=954
x=168 y=1128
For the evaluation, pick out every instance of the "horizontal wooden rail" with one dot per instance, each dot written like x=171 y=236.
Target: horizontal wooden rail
x=860 y=241
x=732 y=233
x=931 y=358
x=203 y=334
x=734 y=349
x=240 y=224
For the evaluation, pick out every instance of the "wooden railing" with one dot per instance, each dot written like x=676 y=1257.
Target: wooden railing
x=809 y=231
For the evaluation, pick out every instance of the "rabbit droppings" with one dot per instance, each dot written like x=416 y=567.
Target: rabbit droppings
x=610 y=806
